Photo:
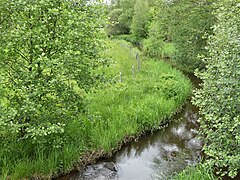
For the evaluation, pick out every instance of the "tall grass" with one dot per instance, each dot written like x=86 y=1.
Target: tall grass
x=140 y=102
x=135 y=102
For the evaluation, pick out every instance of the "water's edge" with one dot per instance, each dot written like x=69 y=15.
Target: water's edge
x=158 y=155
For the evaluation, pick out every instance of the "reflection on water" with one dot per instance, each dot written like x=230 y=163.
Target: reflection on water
x=155 y=156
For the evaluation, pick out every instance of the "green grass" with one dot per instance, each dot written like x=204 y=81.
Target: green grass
x=140 y=102
x=199 y=172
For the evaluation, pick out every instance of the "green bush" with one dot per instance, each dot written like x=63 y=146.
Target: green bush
x=219 y=98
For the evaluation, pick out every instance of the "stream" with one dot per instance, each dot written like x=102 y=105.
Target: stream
x=154 y=156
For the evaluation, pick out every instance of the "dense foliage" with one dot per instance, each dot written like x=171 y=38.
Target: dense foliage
x=49 y=50
x=141 y=100
x=219 y=98
x=187 y=27
x=121 y=16
x=154 y=23
x=139 y=27
x=198 y=172
x=114 y=27
x=51 y=60
x=191 y=21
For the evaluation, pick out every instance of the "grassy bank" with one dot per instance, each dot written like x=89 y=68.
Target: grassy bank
x=140 y=102
x=137 y=99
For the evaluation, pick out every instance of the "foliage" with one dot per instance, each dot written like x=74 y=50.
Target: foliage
x=192 y=19
x=120 y=17
x=125 y=18
x=198 y=172
x=219 y=98
x=48 y=50
x=153 y=45
x=140 y=22
x=142 y=101
x=128 y=38
x=183 y=23
x=115 y=27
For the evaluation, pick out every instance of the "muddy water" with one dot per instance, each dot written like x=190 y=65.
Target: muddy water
x=156 y=156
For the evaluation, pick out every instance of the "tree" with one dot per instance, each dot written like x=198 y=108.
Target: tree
x=157 y=33
x=115 y=3
x=140 y=22
x=48 y=50
x=192 y=19
x=120 y=16
x=184 y=23
x=153 y=45
x=115 y=27
x=219 y=98
x=125 y=18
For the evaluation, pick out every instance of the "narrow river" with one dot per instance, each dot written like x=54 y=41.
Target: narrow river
x=155 y=156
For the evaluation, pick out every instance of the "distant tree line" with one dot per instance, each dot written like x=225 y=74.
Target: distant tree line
x=153 y=23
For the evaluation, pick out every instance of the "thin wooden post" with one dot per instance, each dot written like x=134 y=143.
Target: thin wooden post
x=138 y=62
x=138 y=65
x=133 y=70
x=136 y=56
x=120 y=77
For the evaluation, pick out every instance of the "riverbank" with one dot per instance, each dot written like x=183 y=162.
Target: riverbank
x=157 y=155
x=142 y=94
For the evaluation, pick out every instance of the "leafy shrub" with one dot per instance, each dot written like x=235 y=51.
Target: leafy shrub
x=219 y=98
x=42 y=52
x=153 y=45
x=48 y=49
x=129 y=38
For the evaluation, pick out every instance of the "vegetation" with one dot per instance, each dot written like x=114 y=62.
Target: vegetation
x=139 y=27
x=46 y=47
x=185 y=32
x=124 y=18
x=136 y=101
x=190 y=21
x=199 y=172
x=139 y=102
x=219 y=98
x=184 y=23
x=65 y=90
